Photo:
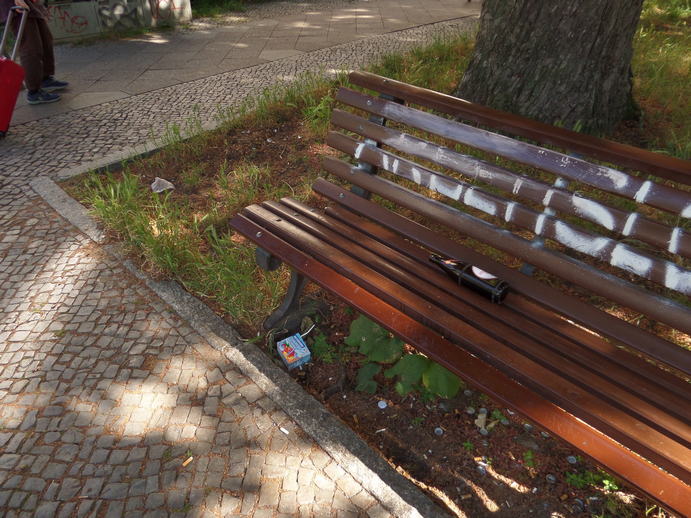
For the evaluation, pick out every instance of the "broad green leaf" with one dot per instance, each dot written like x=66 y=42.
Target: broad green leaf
x=368 y=386
x=403 y=388
x=374 y=341
x=364 y=381
x=386 y=351
x=409 y=369
x=363 y=330
x=441 y=381
x=322 y=349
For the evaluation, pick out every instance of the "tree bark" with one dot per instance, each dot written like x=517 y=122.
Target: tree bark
x=560 y=62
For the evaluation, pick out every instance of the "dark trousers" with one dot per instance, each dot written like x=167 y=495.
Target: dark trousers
x=36 y=52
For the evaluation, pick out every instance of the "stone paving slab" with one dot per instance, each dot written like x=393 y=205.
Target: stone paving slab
x=69 y=139
x=116 y=69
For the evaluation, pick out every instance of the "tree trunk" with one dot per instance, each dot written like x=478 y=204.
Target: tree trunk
x=561 y=62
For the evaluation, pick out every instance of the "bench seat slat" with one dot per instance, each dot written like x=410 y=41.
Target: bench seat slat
x=605 y=178
x=631 y=432
x=569 y=269
x=647 y=343
x=620 y=255
x=505 y=324
x=655 y=482
x=675 y=389
x=628 y=224
x=661 y=165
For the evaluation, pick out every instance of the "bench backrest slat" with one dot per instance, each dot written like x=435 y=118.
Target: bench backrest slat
x=603 y=248
x=565 y=267
x=604 y=178
x=664 y=166
x=628 y=224
x=547 y=296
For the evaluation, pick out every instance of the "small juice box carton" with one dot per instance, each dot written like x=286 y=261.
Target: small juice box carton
x=293 y=351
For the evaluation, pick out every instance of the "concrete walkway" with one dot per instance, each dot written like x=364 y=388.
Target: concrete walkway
x=105 y=391
x=110 y=70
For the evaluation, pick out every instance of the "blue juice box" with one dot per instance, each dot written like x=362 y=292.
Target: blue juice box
x=293 y=351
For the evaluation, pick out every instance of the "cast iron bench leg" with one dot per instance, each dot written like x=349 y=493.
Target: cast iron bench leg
x=281 y=317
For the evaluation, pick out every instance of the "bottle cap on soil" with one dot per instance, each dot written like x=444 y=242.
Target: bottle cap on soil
x=482 y=411
x=382 y=404
x=551 y=479
x=528 y=427
x=467 y=392
x=439 y=431
x=571 y=459
x=470 y=410
x=483 y=431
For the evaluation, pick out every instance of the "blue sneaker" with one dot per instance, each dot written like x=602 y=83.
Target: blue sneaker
x=41 y=97
x=50 y=84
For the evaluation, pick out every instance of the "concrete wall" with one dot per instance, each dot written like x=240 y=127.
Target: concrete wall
x=71 y=20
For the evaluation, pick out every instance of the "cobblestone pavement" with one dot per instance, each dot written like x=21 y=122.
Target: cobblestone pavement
x=104 y=392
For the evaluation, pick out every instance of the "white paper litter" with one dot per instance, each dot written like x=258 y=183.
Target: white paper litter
x=160 y=185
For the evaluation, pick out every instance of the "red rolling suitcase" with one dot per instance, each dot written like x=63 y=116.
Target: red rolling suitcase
x=11 y=74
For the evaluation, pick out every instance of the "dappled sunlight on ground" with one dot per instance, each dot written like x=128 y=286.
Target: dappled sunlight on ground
x=110 y=403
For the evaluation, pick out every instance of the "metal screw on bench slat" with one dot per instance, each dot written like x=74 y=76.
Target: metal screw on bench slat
x=259 y=234
x=341 y=195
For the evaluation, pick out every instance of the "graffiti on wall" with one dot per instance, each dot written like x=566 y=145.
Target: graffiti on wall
x=71 y=19
x=119 y=14
x=60 y=16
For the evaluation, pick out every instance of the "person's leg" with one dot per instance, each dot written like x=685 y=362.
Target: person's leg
x=31 y=55
x=47 y=46
x=49 y=83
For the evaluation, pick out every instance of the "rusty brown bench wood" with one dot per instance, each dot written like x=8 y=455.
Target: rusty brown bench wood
x=614 y=391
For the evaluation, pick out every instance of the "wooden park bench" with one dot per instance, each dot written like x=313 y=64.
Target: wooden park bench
x=613 y=390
